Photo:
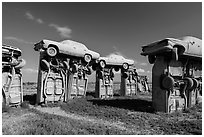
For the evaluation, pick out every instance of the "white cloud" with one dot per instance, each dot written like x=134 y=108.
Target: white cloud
x=30 y=70
x=18 y=40
x=65 y=32
x=40 y=21
x=143 y=64
x=31 y=17
x=140 y=70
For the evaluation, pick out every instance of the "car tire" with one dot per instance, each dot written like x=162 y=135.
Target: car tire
x=112 y=75
x=21 y=64
x=100 y=74
x=102 y=64
x=94 y=67
x=116 y=69
x=151 y=59
x=89 y=72
x=66 y=65
x=125 y=66
x=168 y=82
x=189 y=82
x=87 y=58
x=124 y=75
x=195 y=84
x=52 y=51
x=174 y=54
x=74 y=68
x=44 y=65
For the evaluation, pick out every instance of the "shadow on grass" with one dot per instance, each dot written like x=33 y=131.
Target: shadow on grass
x=30 y=98
x=131 y=104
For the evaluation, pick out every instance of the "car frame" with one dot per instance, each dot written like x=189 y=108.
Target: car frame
x=185 y=46
x=67 y=47
x=116 y=61
x=10 y=56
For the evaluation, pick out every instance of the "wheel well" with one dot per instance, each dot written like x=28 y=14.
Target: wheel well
x=181 y=49
x=88 y=54
x=52 y=45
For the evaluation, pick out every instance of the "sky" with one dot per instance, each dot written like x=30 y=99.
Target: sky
x=116 y=27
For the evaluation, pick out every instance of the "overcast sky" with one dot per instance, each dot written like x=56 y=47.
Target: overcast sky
x=103 y=27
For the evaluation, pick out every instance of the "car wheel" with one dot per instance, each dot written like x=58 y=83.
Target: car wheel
x=195 y=84
x=189 y=82
x=100 y=74
x=44 y=65
x=102 y=63
x=94 y=66
x=65 y=64
x=116 y=69
x=51 y=51
x=89 y=72
x=168 y=82
x=125 y=66
x=151 y=59
x=21 y=64
x=175 y=54
x=74 y=68
x=87 y=58
x=125 y=75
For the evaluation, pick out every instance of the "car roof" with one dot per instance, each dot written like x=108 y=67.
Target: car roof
x=73 y=43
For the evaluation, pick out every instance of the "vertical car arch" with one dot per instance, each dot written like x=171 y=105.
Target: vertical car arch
x=52 y=79
x=176 y=73
x=105 y=74
x=12 y=83
x=129 y=82
x=63 y=70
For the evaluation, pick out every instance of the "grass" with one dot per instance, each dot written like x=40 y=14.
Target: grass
x=90 y=116
x=99 y=119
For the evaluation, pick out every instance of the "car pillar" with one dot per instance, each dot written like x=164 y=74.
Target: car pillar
x=52 y=79
x=104 y=82
x=77 y=78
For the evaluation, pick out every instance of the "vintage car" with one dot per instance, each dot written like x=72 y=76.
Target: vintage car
x=116 y=61
x=67 y=47
x=177 y=70
x=188 y=45
x=12 y=85
x=10 y=56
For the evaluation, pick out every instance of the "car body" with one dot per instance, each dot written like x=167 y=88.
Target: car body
x=10 y=56
x=188 y=45
x=177 y=70
x=8 y=50
x=115 y=60
x=67 y=47
x=12 y=84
